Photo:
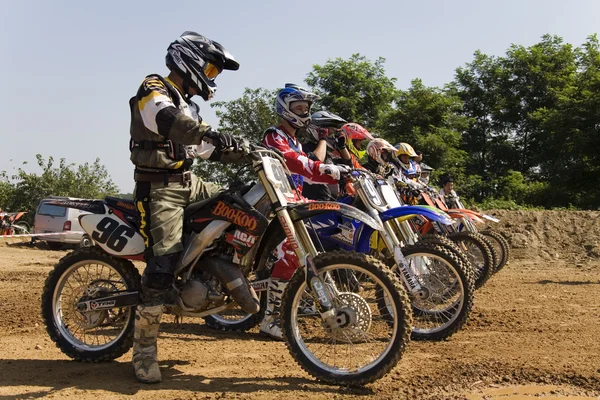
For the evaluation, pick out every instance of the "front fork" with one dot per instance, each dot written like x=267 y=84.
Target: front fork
x=302 y=244
x=407 y=272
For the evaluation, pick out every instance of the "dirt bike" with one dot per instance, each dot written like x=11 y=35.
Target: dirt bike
x=439 y=285
x=89 y=299
x=476 y=247
x=10 y=224
x=499 y=243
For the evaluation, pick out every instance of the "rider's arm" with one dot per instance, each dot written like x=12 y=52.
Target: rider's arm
x=298 y=163
x=321 y=151
x=160 y=115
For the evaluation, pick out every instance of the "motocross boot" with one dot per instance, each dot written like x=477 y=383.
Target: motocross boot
x=145 y=363
x=271 y=323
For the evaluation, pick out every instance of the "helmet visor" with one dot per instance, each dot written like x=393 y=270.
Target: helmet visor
x=211 y=71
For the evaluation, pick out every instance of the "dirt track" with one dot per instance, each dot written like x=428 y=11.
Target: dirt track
x=534 y=332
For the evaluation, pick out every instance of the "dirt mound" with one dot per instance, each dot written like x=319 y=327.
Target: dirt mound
x=551 y=235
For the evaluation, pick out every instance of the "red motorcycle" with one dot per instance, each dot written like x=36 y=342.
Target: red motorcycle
x=10 y=226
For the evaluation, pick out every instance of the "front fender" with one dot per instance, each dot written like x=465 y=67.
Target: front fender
x=463 y=213
x=302 y=211
x=431 y=213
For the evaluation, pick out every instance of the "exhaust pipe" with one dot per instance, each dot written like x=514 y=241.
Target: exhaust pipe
x=236 y=284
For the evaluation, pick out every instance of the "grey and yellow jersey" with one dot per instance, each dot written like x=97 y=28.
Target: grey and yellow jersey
x=159 y=113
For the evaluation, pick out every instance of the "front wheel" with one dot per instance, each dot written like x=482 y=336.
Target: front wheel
x=500 y=244
x=83 y=275
x=363 y=343
x=476 y=248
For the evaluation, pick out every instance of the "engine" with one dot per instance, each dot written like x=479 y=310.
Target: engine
x=202 y=292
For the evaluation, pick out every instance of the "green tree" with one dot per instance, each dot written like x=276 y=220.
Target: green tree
x=487 y=138
x=356 y=89
x=90 y=181
x=430 y=120
x=247 y=118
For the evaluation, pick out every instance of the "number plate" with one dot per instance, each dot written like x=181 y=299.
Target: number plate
x=112 y=234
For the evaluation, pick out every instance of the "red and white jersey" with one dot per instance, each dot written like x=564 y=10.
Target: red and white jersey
x=296 y=160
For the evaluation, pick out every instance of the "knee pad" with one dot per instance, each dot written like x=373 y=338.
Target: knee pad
x=155 y=288
x=160 y=264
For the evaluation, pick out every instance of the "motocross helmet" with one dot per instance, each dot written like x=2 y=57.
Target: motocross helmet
x=286 y=97
x=381 y=151
x=198 y=60
x=405 y=149
x=425 y=173
x=323 y=120
x=354 y=134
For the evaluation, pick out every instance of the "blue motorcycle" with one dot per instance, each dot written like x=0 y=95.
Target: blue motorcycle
x=440 y=285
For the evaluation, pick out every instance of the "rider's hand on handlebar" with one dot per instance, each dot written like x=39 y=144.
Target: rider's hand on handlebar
x=335 y=171
x=222 y=141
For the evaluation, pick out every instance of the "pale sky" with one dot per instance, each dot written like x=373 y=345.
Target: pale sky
x=70 y=67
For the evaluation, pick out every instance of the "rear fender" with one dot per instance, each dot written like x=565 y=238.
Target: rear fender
x=428 y=212
x=113 y=233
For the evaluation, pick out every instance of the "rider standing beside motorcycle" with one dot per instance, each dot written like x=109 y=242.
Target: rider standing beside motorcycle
x=293 y=105
x=164 y=126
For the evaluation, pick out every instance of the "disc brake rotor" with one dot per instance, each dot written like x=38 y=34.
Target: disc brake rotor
x=353 y=318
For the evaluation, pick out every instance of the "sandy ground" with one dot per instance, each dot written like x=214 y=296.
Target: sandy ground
x=534 y=333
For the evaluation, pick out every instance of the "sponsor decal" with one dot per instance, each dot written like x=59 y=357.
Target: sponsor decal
x=81 y=205
x=260 y=286
x=128 y=206
x=244 y=238
x=346 y=234
x=96 y=304
x=288 y=233
x=236 y=216
x=323 y=206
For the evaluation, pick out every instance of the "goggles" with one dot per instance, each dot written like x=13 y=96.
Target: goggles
x=211 y=71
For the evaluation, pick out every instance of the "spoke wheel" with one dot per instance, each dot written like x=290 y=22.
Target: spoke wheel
x=83 y=275
x=361 y=343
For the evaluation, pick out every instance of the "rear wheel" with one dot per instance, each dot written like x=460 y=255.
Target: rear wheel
x=83 y=275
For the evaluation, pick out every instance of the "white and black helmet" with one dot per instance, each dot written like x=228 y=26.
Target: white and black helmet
x=199 y=60
x=323 y=120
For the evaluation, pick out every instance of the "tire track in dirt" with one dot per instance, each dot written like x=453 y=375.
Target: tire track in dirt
x=533 y=333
